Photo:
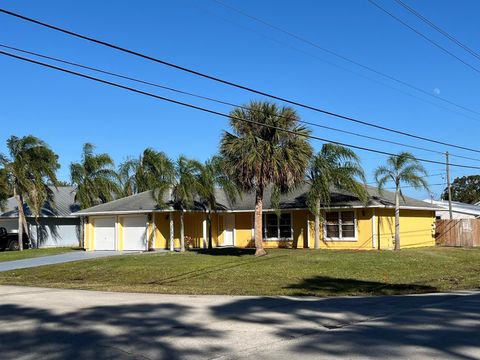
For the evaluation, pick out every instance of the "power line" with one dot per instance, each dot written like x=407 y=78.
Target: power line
x=342 y=57
x=439 y=29
x=222 y=101
x=424 y=36
x=239 y=86
x=214 y=112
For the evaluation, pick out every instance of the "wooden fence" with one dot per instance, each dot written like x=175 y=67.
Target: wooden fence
x=460 y=232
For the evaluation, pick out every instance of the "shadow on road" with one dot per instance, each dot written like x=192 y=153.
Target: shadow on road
x=374 y=327
x=134 y=329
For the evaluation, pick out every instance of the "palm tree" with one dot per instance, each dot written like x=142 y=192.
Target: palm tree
x=335 y=166
x=153 y=170
x=94 y=177
x=5 y=190
x=186 y=188
x=30 y=169
x=258 y=154
x=213 y=175
x=401 y=168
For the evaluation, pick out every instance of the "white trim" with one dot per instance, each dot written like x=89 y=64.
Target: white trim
x=308 y=230
x=374 y=235
x=355 y=225
x=278 y=228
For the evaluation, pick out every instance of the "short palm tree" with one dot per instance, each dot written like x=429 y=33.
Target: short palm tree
x=153 y=170
x=94 y=177
x=403 y=168
x=29 y=170
x=338 y=167
x=212 y=176
x=186 y=188
x=258 y=153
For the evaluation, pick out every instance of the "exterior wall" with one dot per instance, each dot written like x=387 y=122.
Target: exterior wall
x=363 y=240
x=416 y=228
x=193 y=226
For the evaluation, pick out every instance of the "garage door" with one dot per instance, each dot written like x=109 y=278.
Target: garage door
x=135 y=233
x=104 y=235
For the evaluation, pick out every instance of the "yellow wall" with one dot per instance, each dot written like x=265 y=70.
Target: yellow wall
x=363 y=239
x=416 y=228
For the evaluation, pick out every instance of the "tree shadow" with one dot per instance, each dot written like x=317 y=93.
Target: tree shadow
x=228 y=251
x=357 y=327
x=104 y=332
x=321 y=285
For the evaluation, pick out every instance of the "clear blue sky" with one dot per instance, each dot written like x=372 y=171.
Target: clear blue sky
x=66 y=111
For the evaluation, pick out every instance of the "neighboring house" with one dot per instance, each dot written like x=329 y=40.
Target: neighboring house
x=459 y=210
x=56 y=225
x=137 y=223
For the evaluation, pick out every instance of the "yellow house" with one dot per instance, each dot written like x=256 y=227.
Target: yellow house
x=137 y=223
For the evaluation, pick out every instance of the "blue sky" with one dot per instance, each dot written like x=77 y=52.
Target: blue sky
x=66 y=111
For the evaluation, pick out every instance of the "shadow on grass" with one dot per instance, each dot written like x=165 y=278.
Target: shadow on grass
x=228 y=251
x=323 y=285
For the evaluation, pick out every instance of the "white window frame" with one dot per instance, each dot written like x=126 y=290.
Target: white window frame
x=278 y=238
x=340 y=238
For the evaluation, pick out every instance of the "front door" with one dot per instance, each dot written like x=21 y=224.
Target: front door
x=228 y=229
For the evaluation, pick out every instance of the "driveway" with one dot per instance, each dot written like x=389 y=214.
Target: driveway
x=66 y=324
x=56 y=259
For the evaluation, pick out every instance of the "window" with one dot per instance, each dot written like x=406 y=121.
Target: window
x=277 y=228
x=340 y=225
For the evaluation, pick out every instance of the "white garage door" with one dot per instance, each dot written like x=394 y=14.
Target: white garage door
x=135 y=233
x=104 y=236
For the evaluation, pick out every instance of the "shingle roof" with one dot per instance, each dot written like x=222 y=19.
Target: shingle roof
x=144 y=202
x=457 y=206
x=64 y=204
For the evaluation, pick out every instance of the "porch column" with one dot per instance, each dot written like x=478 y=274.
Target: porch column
x=172 y=229
x=374 y=235
x=204 y=223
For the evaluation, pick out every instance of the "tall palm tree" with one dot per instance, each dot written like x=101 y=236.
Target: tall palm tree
x=213 y=175
x=335 y=166
x=153 y=170
x=94 y=177
x=186 y=188
x=257 y=156
x=402 y=168
x=5 y=190
x=29 y=170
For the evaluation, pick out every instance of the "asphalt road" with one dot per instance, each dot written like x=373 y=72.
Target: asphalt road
x=38 y=323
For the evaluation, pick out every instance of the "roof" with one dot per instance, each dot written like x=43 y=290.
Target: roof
x=144 y=202
x=459 y=207
x=63 y=200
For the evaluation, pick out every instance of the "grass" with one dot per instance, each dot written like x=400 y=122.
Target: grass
x=32 y=253
x=282 y=272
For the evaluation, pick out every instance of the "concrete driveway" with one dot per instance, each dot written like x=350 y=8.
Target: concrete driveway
x=56 y=259
x=66 y=324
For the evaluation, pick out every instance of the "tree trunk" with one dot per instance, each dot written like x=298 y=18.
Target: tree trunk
x=172 y=230
x=21 y=216
x=209 y=225
x=182 y=233
x=259 y=251
x=317 y=224
x=397 y=218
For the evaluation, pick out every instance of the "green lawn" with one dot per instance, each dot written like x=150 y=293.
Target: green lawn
x=282 y=272
x=31 y=253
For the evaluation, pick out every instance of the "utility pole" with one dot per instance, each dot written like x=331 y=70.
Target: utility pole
x=447 y=163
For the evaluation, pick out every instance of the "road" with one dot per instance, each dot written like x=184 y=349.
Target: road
x=37 y=323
